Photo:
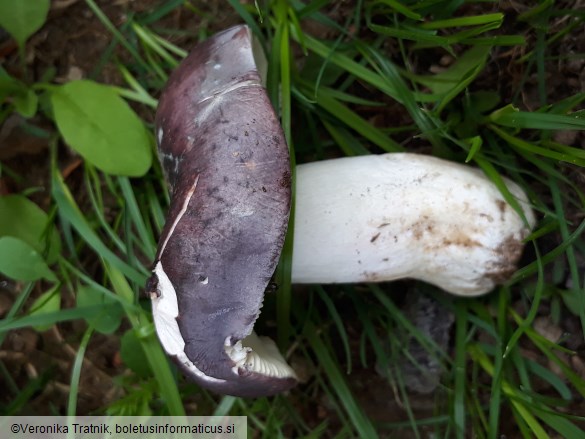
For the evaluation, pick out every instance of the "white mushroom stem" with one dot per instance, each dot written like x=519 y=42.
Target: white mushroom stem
x=392 y=216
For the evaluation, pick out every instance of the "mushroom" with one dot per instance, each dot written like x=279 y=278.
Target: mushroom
x=368 y=218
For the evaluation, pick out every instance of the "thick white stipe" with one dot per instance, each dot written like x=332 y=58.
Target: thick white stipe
x=384 y=217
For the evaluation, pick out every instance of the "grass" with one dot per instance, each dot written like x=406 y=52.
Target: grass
x=490 y=386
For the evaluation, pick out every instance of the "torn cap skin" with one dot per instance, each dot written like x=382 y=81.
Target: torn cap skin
x=227 y=165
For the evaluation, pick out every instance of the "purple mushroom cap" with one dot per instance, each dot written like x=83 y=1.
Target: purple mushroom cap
x=227 y=165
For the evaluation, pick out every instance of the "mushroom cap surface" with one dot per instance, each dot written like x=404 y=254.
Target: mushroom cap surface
x=227 y=165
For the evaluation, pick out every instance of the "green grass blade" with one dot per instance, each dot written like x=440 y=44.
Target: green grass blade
x=152 y=349
x=539 y=121
x=575 y=270
x=399 y=8
x=532 y=268
x=515 y=142
x=347 y=63
x=459 y=392
x=470 y=20
x=562 y=425
x=338 y=321
x=496 y=387
x=136 y=218
x=115 y=32
x=48 y=319
x=351 y=119
x=449 y=83
x=345 y=140
x=76 y=372
x=361 y=423
x=69 y=210
x=497 y=179
x=146 y=37
x=248 y=18
x=390 y=74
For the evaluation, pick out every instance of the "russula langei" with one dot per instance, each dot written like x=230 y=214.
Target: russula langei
x=357 y=219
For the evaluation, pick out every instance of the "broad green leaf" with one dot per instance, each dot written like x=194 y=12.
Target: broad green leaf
x=100 y=126
x=133 y=355
x=22 y=18
x=20 y=261
x=9 y=85
x=23 y=98
x=106 y=322
x=26 y=103
x=23 y=219
x=46 y=303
